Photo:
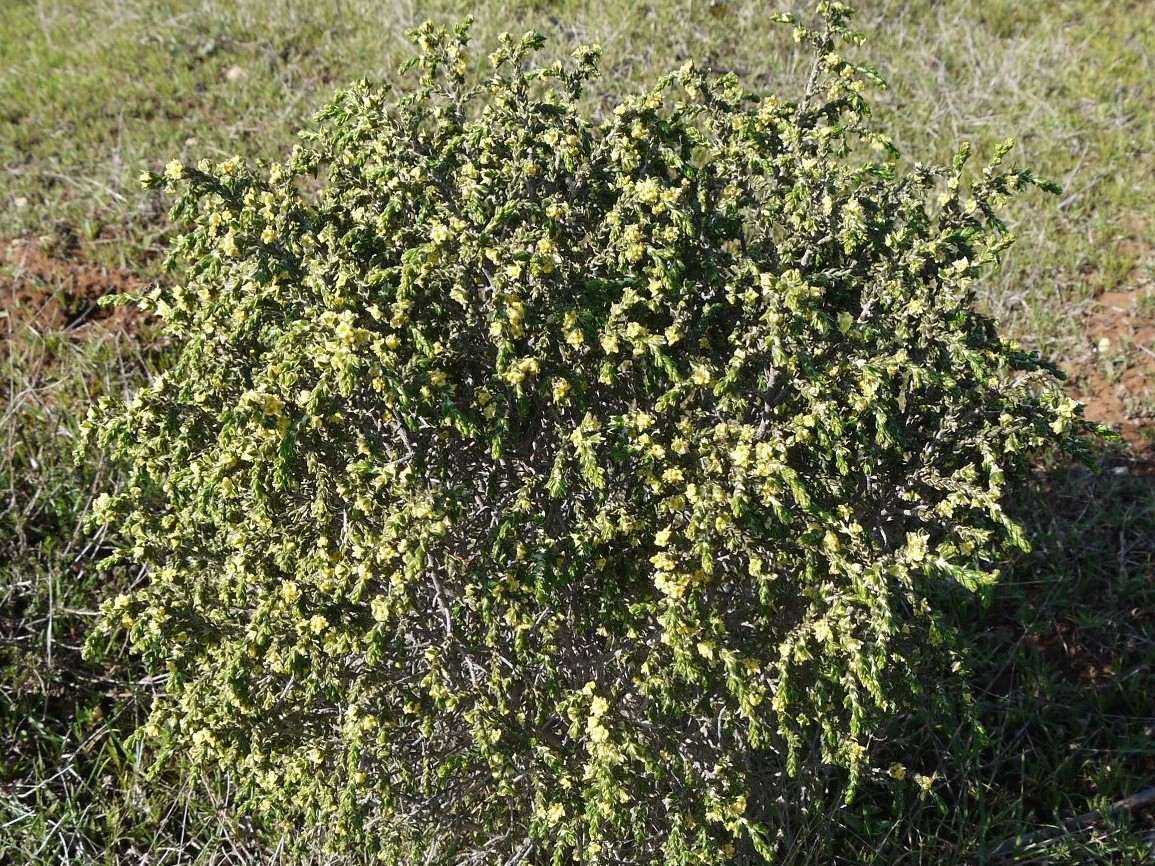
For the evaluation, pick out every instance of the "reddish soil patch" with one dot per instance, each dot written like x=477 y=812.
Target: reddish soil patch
x=44 y=291
x=1115 y=374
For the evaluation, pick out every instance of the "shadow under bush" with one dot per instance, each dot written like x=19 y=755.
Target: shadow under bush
x=1059 y=663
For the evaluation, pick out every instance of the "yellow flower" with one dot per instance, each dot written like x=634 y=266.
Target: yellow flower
x=561 y=388
x=440 y=233
x=380 y=609
x=231 y=166
x=916 y=546
x=271 y=404
x=671 y=586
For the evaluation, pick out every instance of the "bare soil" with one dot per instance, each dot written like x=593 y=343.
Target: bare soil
x=1115 y=378
x=48 y=290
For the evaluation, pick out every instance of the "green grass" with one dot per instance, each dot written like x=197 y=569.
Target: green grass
x=93 y=91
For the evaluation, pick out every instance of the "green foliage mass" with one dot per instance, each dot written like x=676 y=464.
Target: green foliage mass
x=533 y=484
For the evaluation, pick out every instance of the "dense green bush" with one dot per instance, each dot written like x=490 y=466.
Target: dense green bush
x=537 y=484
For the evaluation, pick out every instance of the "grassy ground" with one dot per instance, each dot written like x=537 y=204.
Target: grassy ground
x=92 y=91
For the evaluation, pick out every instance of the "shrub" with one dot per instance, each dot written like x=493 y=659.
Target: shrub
x=537 y=485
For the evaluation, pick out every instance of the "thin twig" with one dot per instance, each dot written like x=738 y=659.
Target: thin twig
x=1051 y=835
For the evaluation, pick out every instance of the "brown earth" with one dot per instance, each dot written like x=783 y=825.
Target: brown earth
x=1114 y=374
x=1113 y=371
x=43 y=289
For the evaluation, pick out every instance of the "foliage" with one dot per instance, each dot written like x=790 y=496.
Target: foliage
x=533 y=484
